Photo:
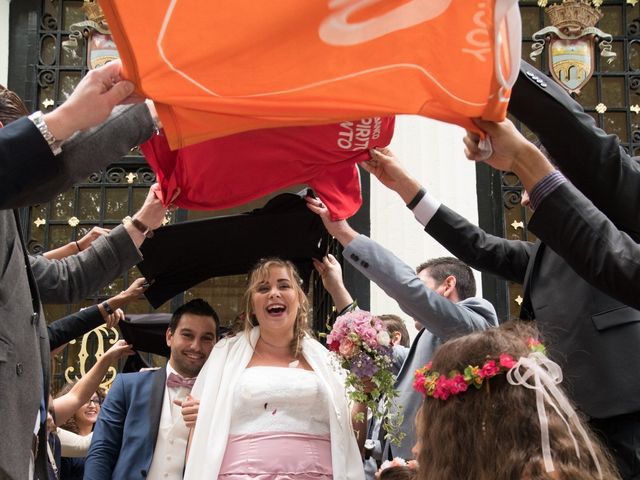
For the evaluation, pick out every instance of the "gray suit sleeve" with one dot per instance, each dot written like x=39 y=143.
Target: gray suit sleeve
x=78 y=276
x=439 y=315
x=89 y=151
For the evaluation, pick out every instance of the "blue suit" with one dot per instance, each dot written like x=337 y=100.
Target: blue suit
x=124 y=437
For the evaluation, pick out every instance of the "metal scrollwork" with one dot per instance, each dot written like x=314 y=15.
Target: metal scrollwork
x=115 y=175
x=49 y=22
x=95 y=177
x=511 y=198
x=633 y=29
x=104 y=336
x=146 y=176
x=46 y=78
x=635 y=136
x=34 y=247
x=634 y=85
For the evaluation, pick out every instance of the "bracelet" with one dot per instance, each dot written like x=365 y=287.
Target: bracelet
x=416 y=199
x=38 y=120
x=107 y=307
x=141 y=227
x=78 y=246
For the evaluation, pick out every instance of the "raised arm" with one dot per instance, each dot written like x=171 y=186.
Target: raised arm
x=398 y=280
x=77 y=276
x=593 y=160
x=331 y=274
x=77 y=324
x=468 y=242
x=32 y=169
x=66 y=405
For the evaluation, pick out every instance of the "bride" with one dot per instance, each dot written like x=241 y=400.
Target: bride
x=271 y=404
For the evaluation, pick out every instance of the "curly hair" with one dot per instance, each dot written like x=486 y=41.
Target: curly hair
x=494 y=433
x=71 y=424
x=257 y=275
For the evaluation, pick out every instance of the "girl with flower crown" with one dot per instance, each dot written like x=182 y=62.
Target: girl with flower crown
x=494 y=410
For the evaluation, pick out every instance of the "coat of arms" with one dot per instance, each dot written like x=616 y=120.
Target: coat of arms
x=100 y=46
x=571 y=38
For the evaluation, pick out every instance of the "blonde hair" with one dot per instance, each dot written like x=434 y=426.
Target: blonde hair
x=257 y=275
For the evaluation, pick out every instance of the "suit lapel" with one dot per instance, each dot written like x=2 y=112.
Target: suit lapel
x=158 y=381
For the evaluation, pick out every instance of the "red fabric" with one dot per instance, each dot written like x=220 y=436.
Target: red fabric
x=233 y=170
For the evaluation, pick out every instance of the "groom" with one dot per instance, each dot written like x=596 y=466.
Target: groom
x=140 y=431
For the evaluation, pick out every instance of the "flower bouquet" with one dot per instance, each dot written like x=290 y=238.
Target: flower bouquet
x=362 y=346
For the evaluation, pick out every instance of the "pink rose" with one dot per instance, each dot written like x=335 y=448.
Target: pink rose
x=457 y=384
x=489 y=369
x=347 y=348
x=507 y=361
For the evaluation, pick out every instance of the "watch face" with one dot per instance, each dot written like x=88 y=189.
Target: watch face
x=369 y=444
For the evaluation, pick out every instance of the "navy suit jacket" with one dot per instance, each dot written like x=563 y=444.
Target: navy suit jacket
x=124 y=437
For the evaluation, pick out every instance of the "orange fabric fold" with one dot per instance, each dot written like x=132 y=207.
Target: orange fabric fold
x=216 y=68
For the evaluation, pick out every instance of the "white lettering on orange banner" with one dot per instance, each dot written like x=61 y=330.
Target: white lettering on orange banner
x=478 y=38
x=337 y=30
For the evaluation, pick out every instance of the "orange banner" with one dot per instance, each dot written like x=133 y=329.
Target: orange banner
x=220 y=67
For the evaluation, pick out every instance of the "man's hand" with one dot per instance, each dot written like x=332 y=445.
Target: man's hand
x=386 y=167
x=95 y=233
x=340 y=229
x=91 y=102
x=190 y=407
x=511 y=152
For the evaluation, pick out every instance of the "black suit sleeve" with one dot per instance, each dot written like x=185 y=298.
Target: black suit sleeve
x=479 y=250
x=589 y=242
x=594 y=161
x=25 y=162
x=73 y=326
x=30 y=173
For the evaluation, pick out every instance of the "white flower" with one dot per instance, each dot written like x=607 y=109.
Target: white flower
x=383 y=338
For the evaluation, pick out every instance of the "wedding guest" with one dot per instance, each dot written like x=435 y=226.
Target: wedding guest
x=269 y=393
x=494 y=409
x=81 y=423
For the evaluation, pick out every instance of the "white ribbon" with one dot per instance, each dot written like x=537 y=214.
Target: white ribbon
x=537 y=372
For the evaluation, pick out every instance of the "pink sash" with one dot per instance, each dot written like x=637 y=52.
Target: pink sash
x=277 y=456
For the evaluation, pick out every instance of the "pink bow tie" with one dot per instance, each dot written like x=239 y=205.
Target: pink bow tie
x=178 y=381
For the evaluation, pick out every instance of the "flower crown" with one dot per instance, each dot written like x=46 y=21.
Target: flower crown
x=437 y=385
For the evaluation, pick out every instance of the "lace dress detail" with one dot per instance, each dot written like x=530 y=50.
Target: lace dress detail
x=279 y=427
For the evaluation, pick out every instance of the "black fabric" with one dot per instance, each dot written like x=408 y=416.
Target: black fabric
x=621 y=435
x=146 y=333
x=182 y=255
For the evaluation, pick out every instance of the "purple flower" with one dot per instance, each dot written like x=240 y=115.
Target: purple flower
x=363 y=365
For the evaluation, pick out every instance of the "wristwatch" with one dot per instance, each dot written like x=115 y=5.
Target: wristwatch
x=141 y=227
x=38 y=120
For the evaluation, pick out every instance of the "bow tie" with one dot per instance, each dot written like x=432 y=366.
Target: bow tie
x=178 y=381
